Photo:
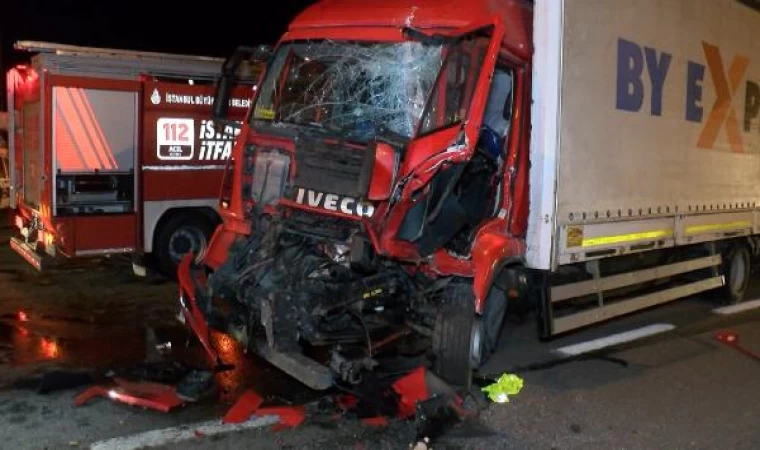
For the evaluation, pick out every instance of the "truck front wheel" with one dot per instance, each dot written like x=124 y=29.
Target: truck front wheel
x=179 y=235
x=462 y=341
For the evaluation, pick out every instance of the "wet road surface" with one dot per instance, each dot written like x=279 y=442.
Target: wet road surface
x=680 y=390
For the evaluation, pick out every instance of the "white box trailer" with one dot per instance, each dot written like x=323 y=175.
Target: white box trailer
x=645 y=136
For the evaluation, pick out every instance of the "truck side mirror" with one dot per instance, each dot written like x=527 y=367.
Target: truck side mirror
x=251 y=60
x=222 y=98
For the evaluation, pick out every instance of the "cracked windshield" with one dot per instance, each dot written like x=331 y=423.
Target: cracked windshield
x=355 y=88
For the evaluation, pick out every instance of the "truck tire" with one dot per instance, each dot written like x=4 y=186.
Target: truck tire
x=181 y=233
x=457 y=336
x=736 y=268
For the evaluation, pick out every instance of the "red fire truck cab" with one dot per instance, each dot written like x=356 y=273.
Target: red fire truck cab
x=112 y=151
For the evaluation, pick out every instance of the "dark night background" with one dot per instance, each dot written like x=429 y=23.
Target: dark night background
x=211 y=28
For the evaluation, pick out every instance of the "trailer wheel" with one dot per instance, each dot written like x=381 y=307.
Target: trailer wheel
x=457 y=336
x=180 y=234
x=736 y=269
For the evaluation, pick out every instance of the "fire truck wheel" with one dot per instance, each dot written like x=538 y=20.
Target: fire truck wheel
x=736 y=269
x=182 y=233
x=457 y=336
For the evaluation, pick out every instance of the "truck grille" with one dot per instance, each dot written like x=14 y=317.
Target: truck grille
x=334 y=167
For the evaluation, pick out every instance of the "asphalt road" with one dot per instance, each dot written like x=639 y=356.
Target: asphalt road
x=680 y=389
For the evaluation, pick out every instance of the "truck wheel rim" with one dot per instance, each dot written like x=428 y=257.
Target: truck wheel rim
x=184 y=240
x=738 y=274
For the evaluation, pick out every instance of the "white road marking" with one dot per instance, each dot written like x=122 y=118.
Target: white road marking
x=155 y=438
x=733 y=309
x=614 y=339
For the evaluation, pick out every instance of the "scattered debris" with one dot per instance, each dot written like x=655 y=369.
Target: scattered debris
x=290 y=416
x=146 y=394
x=250 y=404
x=195 y=385
x=59 y=380
x=411 y=389
x=155 y=371
x=244 y=407
x=506 y=385
x=54 y=380
x=379 y=421
x=731 y=339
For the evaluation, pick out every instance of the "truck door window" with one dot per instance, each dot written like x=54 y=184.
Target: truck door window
x=498 y=113
x=454 y=87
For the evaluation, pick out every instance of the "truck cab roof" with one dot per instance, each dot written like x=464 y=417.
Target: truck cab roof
x=516 y=15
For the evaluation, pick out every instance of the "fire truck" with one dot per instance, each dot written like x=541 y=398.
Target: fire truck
x=414 y=167
x=5 y=175
x=112 y=152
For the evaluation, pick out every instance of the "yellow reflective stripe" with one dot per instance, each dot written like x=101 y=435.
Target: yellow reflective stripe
x=695 y=229
x=608 y=240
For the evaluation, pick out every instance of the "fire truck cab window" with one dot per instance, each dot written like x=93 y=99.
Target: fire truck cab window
x=94 y=145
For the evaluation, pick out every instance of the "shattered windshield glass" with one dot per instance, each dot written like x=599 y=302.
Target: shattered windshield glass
x=351 y=88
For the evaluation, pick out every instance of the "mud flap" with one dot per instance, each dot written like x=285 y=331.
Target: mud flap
x=31 y=256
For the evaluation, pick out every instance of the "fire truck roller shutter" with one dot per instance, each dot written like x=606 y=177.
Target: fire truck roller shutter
x=179 y=231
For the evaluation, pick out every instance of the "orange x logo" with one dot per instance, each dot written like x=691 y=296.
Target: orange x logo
x=725 y=89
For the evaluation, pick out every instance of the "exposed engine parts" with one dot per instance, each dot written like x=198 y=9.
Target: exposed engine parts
x=290 y=289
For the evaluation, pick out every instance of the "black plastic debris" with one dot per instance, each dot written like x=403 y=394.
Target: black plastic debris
x=169 y=372
x=196 y=385
x=55 y=380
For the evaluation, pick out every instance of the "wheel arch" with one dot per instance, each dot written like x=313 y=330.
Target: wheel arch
x=157 y=217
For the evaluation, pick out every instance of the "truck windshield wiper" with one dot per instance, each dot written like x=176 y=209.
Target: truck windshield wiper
x=418 y=35
x=429 y=39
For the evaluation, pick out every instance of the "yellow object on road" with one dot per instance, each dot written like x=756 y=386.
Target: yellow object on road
x=506 y=385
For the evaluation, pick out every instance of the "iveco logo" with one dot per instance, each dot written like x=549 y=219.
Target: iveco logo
x=333 y=202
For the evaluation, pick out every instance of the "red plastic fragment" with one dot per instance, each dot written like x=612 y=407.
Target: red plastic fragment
x=379 y=421
x=412 y=389
x=148 y=395
x=244 y=407
x=290 y=416
x=89 y=394
x=346 y=401
x=199 y=434
x=731 y=339
x=727 y=337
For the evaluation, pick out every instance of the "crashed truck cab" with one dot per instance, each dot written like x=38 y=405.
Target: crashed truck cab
x=377 y=190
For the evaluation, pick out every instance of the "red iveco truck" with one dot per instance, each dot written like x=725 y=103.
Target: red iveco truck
x=411 y=166
x=113 y=151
